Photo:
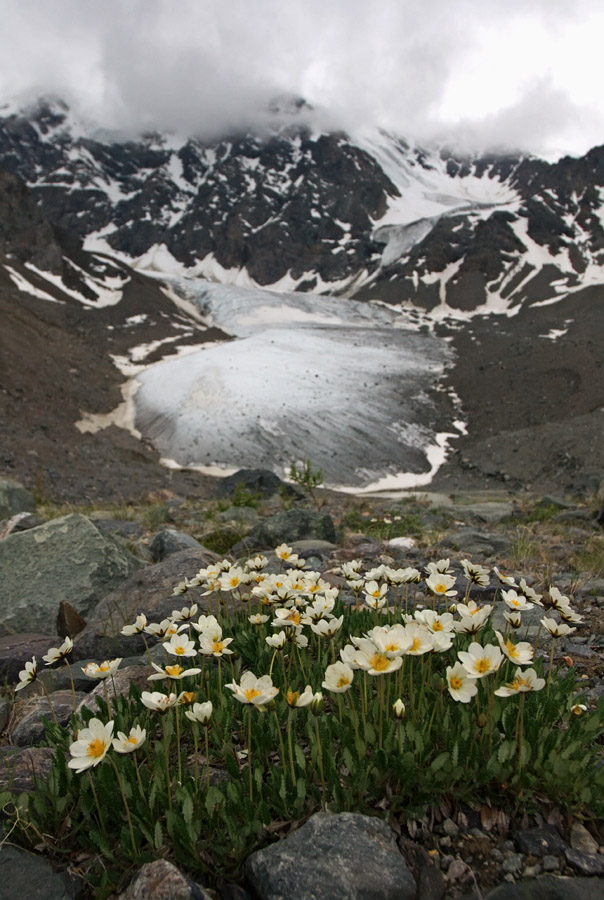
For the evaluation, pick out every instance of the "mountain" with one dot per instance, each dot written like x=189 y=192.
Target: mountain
x=499 y=256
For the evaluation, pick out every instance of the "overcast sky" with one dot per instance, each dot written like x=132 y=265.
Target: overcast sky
x=489 y=73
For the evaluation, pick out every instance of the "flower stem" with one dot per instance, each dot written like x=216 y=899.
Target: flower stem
x=249 y=754
x=126 y=807
x=167 y=762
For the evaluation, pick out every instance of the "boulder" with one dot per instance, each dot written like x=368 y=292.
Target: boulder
x=148 y=591
x=293 y=525
x=29 y=722
x=550 y=887
x=17 y=649
x=161 y=880
x=344 y=857
x=14 y=498
x=256 y=481
x=477 y=544
x=25 y=874
x=21 y=768
x=64 y=559
x=170 y=541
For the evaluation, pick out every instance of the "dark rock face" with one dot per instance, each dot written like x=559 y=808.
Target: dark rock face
x=293 y=525
x=24 y=231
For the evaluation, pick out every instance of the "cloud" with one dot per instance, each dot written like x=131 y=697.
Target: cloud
x=204 y=66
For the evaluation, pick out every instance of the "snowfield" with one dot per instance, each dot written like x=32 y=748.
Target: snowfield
x=347 y=384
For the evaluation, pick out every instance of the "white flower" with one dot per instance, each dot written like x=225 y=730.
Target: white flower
x=521 y=653
x=513 y=617
x=162 y=629
x=347 y=656
x=277 y=641
x=257 y=563
x=185 y=614
x=56 y=654
x=474 y=573
x=434 y=621
x=182 y=587
x=257 y=619
x=157 y=701
x=338 y=678
x=327 y=627
x=28 y=674
x=441 y=584
x=390 y=640
x=251 y=689
x=421 y=640
x=285 y=553
x=352 y=568
x=578 y=709
x=504 y=579
x=210 y=645
x=558 y=600
x=399 y=710
x=530 y=593
x=461 y=687
x=174 y=672
x=178 y=645
x=103 y=670
x=516 y=601
x=569 y=615
x=91 y=745
x=442 y=641
x=140 y=623
x=557 y=630
x=442 y=567
x=375 y=663
x=233 y=579
x=480 y=661
x=298 y=700
x=524 y=680
x=130 y=743
x=375 y=594
x=287 y=617
x=208 y=625
x=201 y=712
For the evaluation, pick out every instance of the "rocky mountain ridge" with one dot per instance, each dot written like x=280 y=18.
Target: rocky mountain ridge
x=366 y=215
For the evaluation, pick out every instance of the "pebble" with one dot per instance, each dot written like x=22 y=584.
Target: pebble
x=457 y=868
x=532 y=871
x=550 y=863
x=581 y=839
x=513 y=863
x=450 y=828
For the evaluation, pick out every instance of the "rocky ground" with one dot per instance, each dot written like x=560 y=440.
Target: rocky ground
x=453 y=851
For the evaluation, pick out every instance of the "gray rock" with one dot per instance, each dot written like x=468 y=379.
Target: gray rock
x=489 y=513
x=550 y=887
x=343 y=857
x=513 y=863
x=20 y=769
x=14 y=498
x=64 y=559
x=473 y=543
x=293 y=525
x=540 y=841
x=256 y=481
x=171 y=541
x=431 y=884
x=17 y=649
x=148 y=591
x=25 y=874
x=550 y=863
x=241 y=517
x=4 y=713
x=587 y=863
x=160 y=880
x=581 y=839
x=29 y=725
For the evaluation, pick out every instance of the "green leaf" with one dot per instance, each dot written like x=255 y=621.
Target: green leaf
x=187 y=809
x=214 y=798
x=300 y=758
x=439 y=762
x=158 y=837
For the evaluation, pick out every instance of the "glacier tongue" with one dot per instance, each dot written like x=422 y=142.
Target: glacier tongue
x=346 y=384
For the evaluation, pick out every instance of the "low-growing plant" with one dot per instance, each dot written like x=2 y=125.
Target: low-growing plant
x=287 y=696
x=308 y=478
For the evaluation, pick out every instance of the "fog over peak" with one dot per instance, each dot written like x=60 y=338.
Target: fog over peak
x=478 y=72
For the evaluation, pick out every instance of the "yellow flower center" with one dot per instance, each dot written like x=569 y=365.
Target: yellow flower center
x=174 y=671
x=179 y=650
x=379 y=662
x=440 y=588
x=104 y=667
x=482 y=665
x=217 y=646
x=131 y=740
x=437 y=626
x=512 y=651
x=292 y=697
x=250 y=693
x=455 y=682
x=187 y=697
x=417 y=642
x=392 y=648
x=234 y=581
x=294 y=617
x=95 y=748
x=343 y=681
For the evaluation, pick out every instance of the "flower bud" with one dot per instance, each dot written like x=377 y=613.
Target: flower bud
x=481 y=720
x=398 y=708
x=316 y=706
x=578 y=709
